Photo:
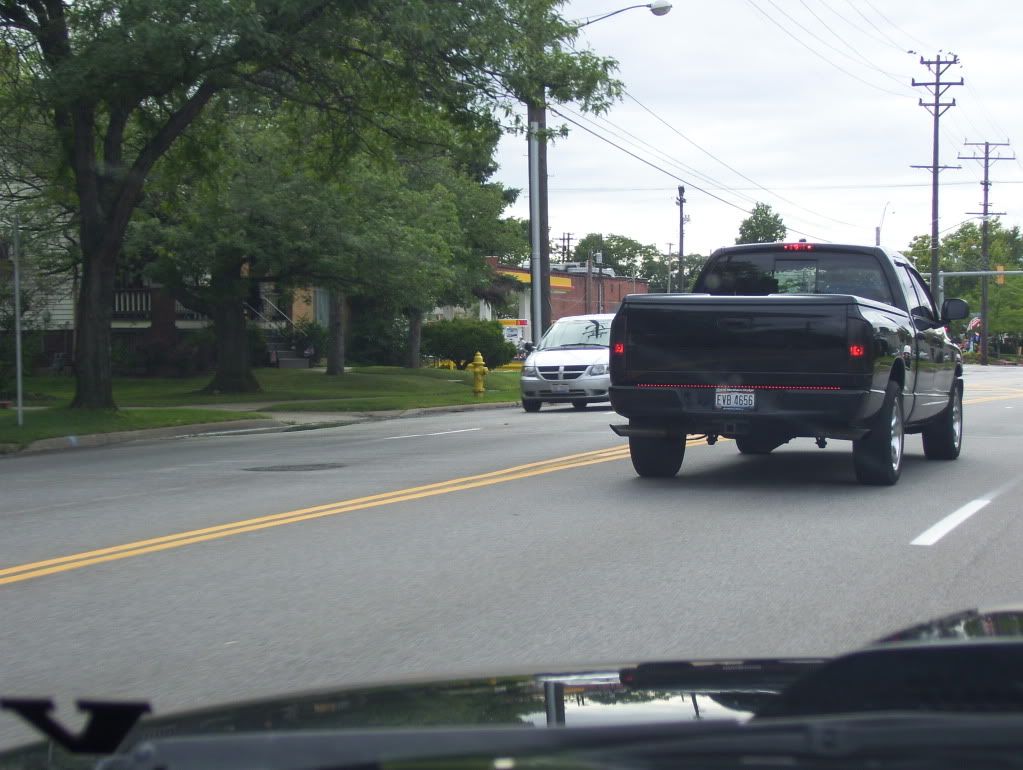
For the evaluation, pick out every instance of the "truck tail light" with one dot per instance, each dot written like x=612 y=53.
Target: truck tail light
x=618 y=349
x=858 y=339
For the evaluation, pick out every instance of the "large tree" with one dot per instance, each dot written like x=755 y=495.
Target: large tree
x=215 y=239
x=961 y=250
x=763 y=225
x=119 y=82
x=629 y=257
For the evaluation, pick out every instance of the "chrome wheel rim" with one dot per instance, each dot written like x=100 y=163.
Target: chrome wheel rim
x=896 y=434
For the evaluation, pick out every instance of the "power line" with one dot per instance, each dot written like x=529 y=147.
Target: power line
x=712 y=183
x=891 y=186
x=731 y=168
x=644 y=160
x=855 y=57
x=669 y=173
x=855 y=26
x=896 y=26
x=872 y=24
x=819 y=55
x=617 y=133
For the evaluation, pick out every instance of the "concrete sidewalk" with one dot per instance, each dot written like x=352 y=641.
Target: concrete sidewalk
x=277 y=422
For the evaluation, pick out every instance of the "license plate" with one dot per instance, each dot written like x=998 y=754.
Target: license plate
x=560 y=387
x=734 y=399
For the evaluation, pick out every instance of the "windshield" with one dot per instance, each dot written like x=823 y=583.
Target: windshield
x=766 y=273
x=581 y=332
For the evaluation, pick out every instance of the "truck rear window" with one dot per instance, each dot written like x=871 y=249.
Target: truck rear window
x=784 y=273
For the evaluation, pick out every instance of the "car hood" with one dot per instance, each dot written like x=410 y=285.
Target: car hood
x=990 y=642
x=567 y=356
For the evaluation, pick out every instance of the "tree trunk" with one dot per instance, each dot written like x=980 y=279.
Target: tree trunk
x=415 y=338
x=93 y=370
x=234 y=370
x=336 y=334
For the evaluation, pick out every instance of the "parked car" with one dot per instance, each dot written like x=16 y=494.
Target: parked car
x=570 y=365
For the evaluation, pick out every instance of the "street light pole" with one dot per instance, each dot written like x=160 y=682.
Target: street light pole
x=17 y=320
x=15 y=248
x=536 y=256
x=540 y=257
x=877 y=230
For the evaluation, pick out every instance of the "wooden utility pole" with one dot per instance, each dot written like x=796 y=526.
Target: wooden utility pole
x=937 y=108
x=682 y=219
x=985 y=237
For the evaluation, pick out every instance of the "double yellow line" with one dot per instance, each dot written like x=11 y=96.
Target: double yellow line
x=32 y=570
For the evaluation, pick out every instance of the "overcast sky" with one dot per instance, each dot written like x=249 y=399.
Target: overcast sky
x=810 y=99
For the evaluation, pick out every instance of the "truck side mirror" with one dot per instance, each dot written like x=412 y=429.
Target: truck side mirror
x=954 y=309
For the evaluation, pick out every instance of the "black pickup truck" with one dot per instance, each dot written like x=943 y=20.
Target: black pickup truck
x=786 y=340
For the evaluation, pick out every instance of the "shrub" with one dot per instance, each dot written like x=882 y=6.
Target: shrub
x=458 y=340
x=307 y=334
x=377 y=338
x=126 y=358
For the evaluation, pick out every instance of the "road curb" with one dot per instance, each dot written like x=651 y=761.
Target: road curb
x=119 y=437
x=233 y=427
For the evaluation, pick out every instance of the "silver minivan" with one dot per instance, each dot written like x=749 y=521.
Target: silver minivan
x=570 y=365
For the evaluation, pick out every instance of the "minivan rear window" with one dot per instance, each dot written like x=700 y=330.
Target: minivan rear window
x=759 y=273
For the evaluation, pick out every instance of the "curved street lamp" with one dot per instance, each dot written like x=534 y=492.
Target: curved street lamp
x=540 y=258
x=657 y=8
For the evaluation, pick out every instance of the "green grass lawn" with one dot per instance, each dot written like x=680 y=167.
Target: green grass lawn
x=372 y=387
x=369 y=391
x=60 y=421
x=364 y=389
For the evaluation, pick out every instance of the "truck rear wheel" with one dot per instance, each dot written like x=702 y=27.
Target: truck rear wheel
x=943 y=439
x=877 y=456
x=656 y=457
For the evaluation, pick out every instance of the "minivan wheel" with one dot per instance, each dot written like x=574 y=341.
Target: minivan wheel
x=579 y=404
x=657 y=457
x=531 y=404
x=943 y=439
x=877 y=456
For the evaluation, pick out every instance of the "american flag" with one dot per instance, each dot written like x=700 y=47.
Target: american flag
x=974 y=324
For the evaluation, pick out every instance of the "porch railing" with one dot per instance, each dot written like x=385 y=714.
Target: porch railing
x=137 y=305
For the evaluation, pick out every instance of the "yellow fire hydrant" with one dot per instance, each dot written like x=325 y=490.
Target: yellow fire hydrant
x=479 y=373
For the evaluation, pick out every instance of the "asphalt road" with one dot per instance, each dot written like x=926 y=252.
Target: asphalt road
x=196 y=571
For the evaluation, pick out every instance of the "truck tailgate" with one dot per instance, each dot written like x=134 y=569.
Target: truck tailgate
x=695 y=337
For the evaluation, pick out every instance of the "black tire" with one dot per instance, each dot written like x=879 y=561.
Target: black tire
x=577 y=404
x=757 y=445
x=877 y=456
x=657 y=458
x=531 y=404
x=943 y=438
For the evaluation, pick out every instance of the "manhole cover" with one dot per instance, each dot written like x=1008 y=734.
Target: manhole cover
x=305 y=467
